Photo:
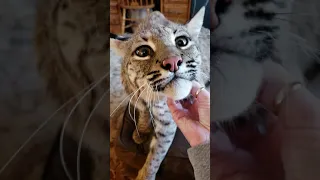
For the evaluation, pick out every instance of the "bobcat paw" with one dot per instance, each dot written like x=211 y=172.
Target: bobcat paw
x=139 y=139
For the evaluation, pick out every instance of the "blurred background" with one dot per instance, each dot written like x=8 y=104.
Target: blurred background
x=23 y=101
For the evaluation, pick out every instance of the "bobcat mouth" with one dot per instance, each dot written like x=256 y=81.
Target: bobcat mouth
x=174 y=79
x=162 y=84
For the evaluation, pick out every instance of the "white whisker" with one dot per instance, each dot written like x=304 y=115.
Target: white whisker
x=42 y=126
x=308 y=50
x=83 y=132
x=150 y=106
x=134 y=109
x=120 y=104
x=66 y=122
x=135 y=123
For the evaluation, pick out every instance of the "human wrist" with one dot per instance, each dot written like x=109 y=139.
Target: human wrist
x=202 y=138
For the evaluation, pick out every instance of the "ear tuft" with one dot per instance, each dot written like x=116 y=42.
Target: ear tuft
x=195 y=24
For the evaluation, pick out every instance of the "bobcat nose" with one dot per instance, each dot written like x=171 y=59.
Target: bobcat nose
x=172 y=64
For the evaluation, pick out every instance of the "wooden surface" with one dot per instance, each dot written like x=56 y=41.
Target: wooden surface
x=115 y=17
x=176 y=10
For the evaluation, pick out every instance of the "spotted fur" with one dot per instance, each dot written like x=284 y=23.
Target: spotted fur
x=152 y=81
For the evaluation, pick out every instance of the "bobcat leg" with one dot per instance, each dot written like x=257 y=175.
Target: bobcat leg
x=159 y=147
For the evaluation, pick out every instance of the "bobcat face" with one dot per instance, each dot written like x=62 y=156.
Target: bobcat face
x=162 y=56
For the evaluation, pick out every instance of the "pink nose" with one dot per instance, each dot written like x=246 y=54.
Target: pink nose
x=172 y=64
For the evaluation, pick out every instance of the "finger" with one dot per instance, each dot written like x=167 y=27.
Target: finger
x=176 y=110
x=203 y=102
x=203 y=96
x=275 y=78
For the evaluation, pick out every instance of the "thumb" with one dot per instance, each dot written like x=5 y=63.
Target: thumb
x=177 y=111
x=180 y=116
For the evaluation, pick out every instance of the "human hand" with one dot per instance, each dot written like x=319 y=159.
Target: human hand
x=193 y=119
x=246 y=154
x=281 y=153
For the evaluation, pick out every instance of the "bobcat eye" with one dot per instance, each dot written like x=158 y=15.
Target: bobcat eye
x=182 y=42
x=143 y=52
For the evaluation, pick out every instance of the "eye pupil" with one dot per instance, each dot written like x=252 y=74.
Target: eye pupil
x=182 y=41
x=143 y=51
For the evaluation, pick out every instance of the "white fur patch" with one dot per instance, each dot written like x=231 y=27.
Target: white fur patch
x=179 y=89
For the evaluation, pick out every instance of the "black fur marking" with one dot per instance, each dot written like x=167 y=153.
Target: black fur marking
x=191 y=66
x=190 y=61
x=191 y=70
x=159 y=107
x=158 y=81
x=259 y=14
x=153 y=72
x=167 y=141
x=255 y=2
x=154 y=77
x=144 y=102
x=164 y=122
x=161 y=134
x=160 y=146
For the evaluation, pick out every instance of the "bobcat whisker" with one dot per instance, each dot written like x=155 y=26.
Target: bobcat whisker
x=298 y=14
x=83 y=132
x=287 y=20
x=63 y=163
x=135 y=105
x=308 y=52
x=42 y=126
x=150 y=106
x=120 y=104
x=135 y=122
x=308 y=47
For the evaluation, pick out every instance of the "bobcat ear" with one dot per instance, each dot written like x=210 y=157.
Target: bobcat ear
x=117 y=46
x=195 y=24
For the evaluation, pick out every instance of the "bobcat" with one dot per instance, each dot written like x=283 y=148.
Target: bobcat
x=160 y=60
